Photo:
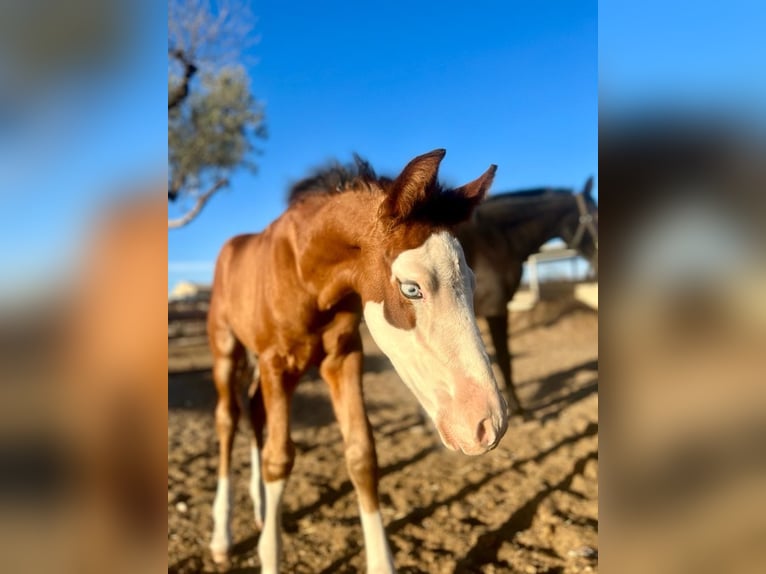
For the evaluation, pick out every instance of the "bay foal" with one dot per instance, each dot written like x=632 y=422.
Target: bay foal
x=349 y=245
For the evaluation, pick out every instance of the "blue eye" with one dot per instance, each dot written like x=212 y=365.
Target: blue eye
x=411 y=290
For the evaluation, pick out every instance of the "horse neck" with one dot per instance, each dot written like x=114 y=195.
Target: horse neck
x=532 y=233
x=331 y=232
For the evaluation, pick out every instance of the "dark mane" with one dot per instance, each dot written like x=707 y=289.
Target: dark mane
x=335 y=177
x=443 y=207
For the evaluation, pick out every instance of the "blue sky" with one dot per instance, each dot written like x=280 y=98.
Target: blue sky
x=513 y=83
x=82 y=138
x=691 y=54
x=510 y=83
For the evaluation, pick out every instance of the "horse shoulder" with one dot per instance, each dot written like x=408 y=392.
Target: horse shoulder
x=326 y=256
x=281 y=308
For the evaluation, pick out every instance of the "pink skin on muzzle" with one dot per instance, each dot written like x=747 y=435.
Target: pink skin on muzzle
x=474 y=420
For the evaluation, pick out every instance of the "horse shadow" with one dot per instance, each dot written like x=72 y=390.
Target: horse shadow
x=194 y=390
x=328 y=498
x=482 y=552
x=311 y=406
x=550 y=390
x=486 y=549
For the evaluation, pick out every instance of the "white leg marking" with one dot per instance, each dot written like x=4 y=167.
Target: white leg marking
x=379 y=560
x=255 y=484
x=221 y=541
x=270 y=542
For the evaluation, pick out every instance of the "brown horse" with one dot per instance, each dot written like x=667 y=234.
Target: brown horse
x=350 y=245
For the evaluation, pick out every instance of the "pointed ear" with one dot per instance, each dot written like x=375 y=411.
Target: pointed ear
x=477 y=190
x=456 y=205
x=586 y=191
x=413 y=185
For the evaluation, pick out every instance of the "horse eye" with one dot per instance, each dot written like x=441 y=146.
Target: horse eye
x=411 y=290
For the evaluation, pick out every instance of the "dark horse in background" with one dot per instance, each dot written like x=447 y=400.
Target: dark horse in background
x=504 y=231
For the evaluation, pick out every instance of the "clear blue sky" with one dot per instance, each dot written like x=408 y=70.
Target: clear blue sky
x=80 y=139
x=505 y=82
x=691 y=54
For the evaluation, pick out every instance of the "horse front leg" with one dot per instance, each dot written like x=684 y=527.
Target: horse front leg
x=226 y=418
x=498 y=330
x=278 y=456
x=257 y=421
x=342 y=370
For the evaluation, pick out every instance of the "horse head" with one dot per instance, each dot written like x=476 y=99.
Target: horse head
x=579 y=228
x=417 y=295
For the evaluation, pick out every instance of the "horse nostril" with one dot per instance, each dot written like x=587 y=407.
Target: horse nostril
x=485 y=434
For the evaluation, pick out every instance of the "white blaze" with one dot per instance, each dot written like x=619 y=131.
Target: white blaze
x=445 y=347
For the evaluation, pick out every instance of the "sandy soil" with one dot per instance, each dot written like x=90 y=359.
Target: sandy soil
x=530 y=506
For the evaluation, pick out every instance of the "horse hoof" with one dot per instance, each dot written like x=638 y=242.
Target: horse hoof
x=220 y=557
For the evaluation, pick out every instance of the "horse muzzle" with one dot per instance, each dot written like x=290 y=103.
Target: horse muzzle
x=473 y=427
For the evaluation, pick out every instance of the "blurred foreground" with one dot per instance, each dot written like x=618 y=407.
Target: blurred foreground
x=82 y=295
x=83 y=407
x=685 y=317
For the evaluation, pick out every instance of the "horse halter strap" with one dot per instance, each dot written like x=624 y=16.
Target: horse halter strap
x=585 y=223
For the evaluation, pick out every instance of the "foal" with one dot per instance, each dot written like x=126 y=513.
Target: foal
x=349 y=245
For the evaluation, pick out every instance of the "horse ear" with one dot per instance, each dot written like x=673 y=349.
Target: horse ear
x=586 y=191
x=477 y=190
x=457 y=205
x=413 y=185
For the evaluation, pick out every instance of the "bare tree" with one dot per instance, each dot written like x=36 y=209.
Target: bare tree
x=213 y=117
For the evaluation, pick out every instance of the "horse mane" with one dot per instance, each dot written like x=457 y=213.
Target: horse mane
x=336 y=177
x=443 y=207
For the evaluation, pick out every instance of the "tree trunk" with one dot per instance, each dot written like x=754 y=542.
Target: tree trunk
x=201 y=201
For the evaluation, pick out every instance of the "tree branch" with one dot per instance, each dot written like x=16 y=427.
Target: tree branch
x=201 y=201
x=180 y=92
x=175 y=185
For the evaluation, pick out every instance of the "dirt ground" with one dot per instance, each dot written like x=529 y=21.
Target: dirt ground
x=529 y=506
